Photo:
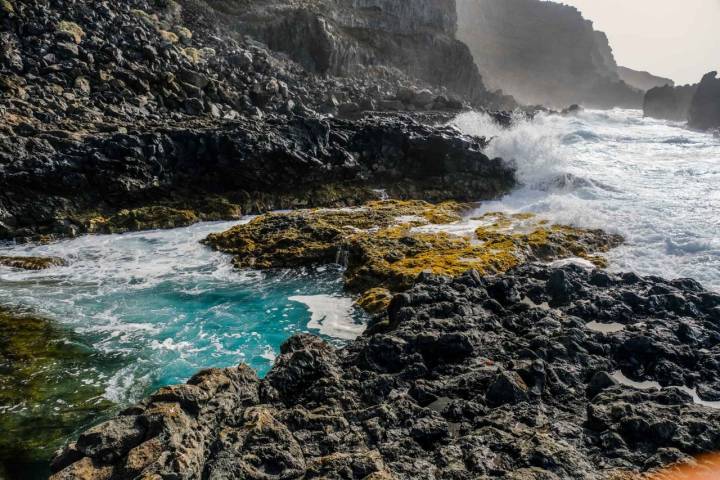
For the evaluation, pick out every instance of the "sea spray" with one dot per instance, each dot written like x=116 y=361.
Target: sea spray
x=653 y=181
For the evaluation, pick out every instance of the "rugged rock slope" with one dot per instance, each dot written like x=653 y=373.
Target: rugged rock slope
x=697 y=104
x=108 y=106
x=543 y=53
x=501 y=377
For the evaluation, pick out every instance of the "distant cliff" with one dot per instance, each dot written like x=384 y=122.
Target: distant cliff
x=543 y=53
x=360 y=37
x=642 y=80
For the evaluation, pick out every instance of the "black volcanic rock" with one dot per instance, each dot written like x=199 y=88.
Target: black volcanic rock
x=705 y=107
x=669 y=103
x=528 y=396
x=112 y=114
x=57 y=185
x=543 y=53
x=370 y=37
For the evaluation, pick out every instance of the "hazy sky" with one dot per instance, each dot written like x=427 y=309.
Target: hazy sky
x=679 y=39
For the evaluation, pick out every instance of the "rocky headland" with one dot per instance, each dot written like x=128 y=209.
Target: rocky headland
x=642 y=80
x=705 y=107
x=698 y=104
x=669 y=103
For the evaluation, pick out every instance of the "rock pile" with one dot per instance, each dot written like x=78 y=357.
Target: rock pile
x=468 y=378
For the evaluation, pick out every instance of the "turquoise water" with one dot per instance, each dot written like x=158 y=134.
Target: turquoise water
x=169 y=306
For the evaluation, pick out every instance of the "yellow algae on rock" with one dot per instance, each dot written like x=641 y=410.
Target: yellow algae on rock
x=385 y=245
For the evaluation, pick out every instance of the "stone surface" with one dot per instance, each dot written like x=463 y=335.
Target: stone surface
x=31 y=263
x=114 y=106
x=495 y=377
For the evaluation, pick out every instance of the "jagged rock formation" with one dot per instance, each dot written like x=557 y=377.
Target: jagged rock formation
x=697 y=104
x=642 y=80
x=499 y=377
x=705 y=108
x=113 y=106
x=543 y=53
x=669 y=103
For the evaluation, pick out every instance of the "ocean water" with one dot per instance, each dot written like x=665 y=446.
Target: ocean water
x=653 y=181
x=169 y=306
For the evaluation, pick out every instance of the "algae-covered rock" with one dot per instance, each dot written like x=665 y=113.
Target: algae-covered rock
x=318 y=236
x=49 y=388
x=146 y=218
x=387 y=244
x=31 y=263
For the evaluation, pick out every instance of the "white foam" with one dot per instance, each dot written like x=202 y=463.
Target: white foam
x=652 y=181
x=330 y=315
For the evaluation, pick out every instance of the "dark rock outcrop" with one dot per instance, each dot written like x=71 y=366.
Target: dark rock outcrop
x=468 y=378
x=57 y=185
x=117 y=116
x=543 y=53
x=705 y=108
x=669 y=103
x=642 y=80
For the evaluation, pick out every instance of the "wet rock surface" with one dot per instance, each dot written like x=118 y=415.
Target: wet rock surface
x=31 y=263
x=472 y=377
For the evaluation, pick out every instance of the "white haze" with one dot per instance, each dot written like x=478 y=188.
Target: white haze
x=671 y=38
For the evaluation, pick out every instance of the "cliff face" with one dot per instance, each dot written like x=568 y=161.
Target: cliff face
x=543 y=53
x=642 y=80
x=705 y=107
x=669 y=103
x=355 y=37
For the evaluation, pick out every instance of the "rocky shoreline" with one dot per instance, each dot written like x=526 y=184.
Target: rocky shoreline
x=480 y=362
x=515 y=376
